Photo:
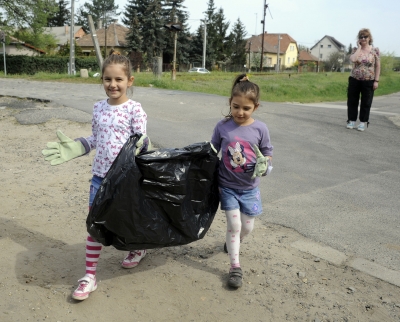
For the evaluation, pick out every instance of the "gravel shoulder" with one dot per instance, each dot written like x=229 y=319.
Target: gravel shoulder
x=42 y=235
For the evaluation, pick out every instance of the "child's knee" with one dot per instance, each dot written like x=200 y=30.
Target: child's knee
x=246 y=230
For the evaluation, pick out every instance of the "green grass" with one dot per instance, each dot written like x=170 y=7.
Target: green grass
x=303 y=88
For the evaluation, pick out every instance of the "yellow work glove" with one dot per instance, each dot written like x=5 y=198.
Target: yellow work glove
x=261 y=163
x=65 y=150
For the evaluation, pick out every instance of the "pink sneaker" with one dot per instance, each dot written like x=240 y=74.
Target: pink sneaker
x=133 y=258
x=87 y=285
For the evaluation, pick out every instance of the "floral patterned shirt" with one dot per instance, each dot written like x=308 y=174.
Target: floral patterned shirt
x=364 y=67
x=112 y=125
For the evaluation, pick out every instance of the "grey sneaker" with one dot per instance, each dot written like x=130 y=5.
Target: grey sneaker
x=361 y=127
x=351 y=124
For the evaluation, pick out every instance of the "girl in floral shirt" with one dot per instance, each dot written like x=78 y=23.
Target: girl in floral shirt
x=115 y=119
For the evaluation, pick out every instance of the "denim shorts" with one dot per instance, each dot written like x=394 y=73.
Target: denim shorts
x=94 y=186
x=248 y=201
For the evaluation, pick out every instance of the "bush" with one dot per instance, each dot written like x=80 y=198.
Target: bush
x=30 y=65
x=387 y=63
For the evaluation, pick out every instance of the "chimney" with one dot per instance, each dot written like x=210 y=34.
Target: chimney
x=99 y=24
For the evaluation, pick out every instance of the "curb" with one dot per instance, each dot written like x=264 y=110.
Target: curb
x=338 y=258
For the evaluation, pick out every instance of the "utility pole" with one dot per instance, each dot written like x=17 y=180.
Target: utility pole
x=105 y=35
x=262 y=36
x=72 y=41
x=95 y=42
x=3 y=40
x=175 y=44
x=249 y=55
x=277 y=55
x=204 y=44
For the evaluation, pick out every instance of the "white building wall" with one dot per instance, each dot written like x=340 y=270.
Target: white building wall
x=323 y=49
x=20 y=50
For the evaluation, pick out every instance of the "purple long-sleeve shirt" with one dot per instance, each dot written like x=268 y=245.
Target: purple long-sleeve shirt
x=238 y=156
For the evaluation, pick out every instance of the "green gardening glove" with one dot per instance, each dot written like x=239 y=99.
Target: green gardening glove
x=143 y=145
x=261 y=163
x=65 y=150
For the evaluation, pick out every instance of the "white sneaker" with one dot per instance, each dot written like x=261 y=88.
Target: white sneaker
x=361 y=127
x=351 y=124
x=133 y=258
x=86 y=286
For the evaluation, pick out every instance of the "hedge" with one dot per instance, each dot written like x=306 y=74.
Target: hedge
x=20 y=64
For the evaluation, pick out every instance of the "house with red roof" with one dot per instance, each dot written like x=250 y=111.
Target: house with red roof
x=115 y=36
x=277 y=46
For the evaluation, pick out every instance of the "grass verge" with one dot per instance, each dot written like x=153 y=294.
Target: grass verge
x=284 y=87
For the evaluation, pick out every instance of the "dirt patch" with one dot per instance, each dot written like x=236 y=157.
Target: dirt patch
x=42 y=237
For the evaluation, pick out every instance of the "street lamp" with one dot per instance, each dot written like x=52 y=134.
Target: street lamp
x=174 y=27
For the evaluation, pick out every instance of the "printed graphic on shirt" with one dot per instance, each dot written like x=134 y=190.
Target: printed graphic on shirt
x=239 y=157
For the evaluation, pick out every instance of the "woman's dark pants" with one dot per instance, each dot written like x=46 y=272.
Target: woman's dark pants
x=357 y=87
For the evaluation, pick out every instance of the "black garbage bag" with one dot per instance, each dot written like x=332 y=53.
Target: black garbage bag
x=160 y=198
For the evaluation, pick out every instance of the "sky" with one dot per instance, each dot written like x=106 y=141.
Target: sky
x=308 y=21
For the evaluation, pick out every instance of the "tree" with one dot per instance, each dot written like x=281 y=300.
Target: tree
x=302 y=47
x=65 y=50
x=211 y=34
x=175 y=10
x=350 y=49
x=33 y=31
x=17 y=13
x=104 y=10
x=237 y=43
x=196 y=49
x=153 y=30
x=61 y=17
x=256 y=58
x=41 y=40
x=387 y=60
x=27 y=13
x=334 y=61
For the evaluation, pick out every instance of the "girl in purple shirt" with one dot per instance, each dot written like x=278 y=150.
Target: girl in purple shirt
x=246 y=152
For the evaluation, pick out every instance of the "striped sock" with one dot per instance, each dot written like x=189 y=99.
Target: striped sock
x=93 y=250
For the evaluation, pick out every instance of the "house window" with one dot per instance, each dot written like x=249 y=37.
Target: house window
x=329 y=46
x=291 y=48
x=322 y=46
x=288 y=60
x=293 y=60
x=320 y=56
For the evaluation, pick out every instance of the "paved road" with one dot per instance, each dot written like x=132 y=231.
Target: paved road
x=335 y=186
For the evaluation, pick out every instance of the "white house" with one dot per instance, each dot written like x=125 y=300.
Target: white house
x=325 y=47
x=18 y=47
